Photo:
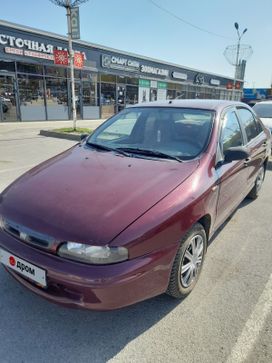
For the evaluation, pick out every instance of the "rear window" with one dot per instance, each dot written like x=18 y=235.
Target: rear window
x=263 y=110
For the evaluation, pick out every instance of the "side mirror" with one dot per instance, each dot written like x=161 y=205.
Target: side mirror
x=236 y=153
x=83 y=136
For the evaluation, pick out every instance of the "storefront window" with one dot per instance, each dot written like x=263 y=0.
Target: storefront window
x=121 y=79
x=89 y=93
x=77 y=73
x=108 y=94
x=215 y=94
x=56 y=98
x=191 y=91
x=208 y=92
x=109 y=78
x=107 y=99
x=131 y=80
x=55 y=71
x=7 y=66
x=31 y=91
x=171 y=94
x=132 y=95
x=90 y=96
x=171 y=86
x=29 y=68
x=7 y=99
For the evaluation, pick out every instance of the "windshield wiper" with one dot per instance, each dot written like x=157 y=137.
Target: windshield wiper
x=149 y=152
x=107 y=148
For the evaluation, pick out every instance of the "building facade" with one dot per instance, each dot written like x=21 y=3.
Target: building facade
x=32 y=87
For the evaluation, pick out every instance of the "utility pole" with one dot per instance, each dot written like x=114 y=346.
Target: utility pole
x=236 y=25
x=68 y=5
x=71 y=62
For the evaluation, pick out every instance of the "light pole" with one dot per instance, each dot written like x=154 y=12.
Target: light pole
x=236 y=25
x=68 y=5
x=71 y=61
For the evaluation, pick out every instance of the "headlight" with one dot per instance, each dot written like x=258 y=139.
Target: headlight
x=98 y=255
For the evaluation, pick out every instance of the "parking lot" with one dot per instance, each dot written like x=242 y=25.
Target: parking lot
x=227 y=318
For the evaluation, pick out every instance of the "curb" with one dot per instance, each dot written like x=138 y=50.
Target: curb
x=60 y=135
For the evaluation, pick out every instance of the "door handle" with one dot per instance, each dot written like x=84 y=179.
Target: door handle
x=247 y=160
x=264 y=143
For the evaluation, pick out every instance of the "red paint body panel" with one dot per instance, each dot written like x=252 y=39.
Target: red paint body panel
x=95 y=287
x=102 y=198
x=92 y=195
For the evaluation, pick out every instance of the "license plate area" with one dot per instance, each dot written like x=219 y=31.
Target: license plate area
x=23 y=267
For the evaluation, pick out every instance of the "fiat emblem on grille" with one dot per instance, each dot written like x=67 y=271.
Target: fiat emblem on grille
x=23 y=236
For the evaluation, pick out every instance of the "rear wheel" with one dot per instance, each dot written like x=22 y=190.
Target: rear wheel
x=253 y=194
x=188 y=262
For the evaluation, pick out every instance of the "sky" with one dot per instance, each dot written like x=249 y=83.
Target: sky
x=140 y=27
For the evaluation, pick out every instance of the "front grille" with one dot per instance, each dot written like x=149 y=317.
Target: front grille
x=27 y=235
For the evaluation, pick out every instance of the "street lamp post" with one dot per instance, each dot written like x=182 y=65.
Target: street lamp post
x=71 y=62
x=68 y=5
x=236 y=25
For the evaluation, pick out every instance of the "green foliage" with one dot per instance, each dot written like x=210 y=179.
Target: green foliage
x=70 y=130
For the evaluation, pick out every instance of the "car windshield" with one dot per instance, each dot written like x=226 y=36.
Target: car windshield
x=263 y=110
x=160 y=132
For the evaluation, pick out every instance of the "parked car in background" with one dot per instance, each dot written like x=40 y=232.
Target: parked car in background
x=264 y=111
x=127 y=214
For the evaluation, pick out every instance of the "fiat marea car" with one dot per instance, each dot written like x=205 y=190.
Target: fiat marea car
x=127 y=213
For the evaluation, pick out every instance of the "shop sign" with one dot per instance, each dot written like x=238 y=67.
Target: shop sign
x=154 y=70
x=78 y=60
x=28 y=53
x=162 y=85
x=215 y=82
x=75 y=30
x=116 y=62
x=29 y=48
x=199 y=78
x=178 y=75
x=144 y=83
x=61 y=57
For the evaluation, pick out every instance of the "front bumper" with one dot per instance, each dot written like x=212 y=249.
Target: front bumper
x=105 y=287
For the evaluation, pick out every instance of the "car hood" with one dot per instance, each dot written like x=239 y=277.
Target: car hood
x=267 y=121
x=90 y=196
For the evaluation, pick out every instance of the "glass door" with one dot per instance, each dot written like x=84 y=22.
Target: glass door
x=120 y=97
x=8 y=110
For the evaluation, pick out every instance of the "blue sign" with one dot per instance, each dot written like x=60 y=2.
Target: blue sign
x=255 y=93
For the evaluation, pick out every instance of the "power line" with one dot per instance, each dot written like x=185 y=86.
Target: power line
x=185 y=21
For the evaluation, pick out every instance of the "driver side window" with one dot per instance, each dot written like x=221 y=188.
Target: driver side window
x=231 y=132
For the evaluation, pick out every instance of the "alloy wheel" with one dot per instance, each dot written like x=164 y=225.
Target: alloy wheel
x=260 y=179
x=192 y=261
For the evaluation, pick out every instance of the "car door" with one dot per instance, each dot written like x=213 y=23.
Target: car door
x=232 y=176
x=256 y=142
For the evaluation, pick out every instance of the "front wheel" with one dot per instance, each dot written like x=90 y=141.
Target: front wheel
x=253 y=194
x=188 y=262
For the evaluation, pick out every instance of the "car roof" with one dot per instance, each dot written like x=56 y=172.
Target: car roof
x=216 y=105
x=264 y=103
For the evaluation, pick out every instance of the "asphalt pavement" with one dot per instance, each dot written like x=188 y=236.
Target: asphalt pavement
x=227 y=318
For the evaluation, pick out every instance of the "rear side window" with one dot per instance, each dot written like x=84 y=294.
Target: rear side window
x=231 y=135
x=252 y=128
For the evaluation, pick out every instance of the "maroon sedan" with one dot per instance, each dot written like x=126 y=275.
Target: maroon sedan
x=126 y=214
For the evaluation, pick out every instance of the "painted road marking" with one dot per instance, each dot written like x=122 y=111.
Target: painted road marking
x=253 y=326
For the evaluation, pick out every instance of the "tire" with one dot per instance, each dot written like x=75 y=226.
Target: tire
x=254 y=193
x=181 y=284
